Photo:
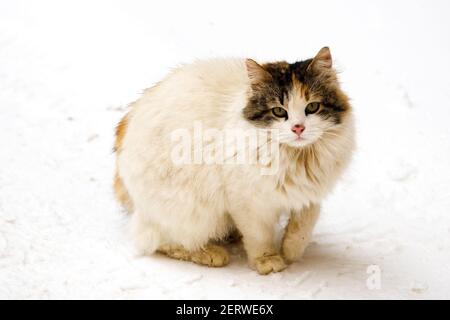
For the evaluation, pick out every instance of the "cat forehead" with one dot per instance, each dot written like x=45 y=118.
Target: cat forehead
x=291 y=79
x=298 y=96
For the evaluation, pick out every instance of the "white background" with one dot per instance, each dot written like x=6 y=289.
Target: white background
x=69 y=68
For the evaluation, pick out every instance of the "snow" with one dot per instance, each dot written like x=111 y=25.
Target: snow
x=69 y=68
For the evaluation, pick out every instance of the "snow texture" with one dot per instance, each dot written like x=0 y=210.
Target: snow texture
x=69 y=68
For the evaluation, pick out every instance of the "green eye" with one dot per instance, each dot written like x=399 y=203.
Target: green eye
x=311 y=108
x=279 y=112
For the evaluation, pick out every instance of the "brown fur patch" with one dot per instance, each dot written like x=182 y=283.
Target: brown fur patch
x=120 y=133
x=119 y=188
x=302 y=89
x=122 y=193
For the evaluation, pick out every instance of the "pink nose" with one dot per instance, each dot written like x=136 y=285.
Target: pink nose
x=298 y=129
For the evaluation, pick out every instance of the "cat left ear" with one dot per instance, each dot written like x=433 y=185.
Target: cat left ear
x=256 y=73
x=322 y=60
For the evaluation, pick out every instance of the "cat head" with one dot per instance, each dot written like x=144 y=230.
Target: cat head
x=302 y=100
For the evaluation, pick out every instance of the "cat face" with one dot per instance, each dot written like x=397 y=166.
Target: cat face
x=302 y=100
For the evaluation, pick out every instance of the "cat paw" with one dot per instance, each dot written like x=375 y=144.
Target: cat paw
x=212 y=256
x=268 y=264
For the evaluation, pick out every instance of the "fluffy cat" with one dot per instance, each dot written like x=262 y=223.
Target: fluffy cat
x=184 y=211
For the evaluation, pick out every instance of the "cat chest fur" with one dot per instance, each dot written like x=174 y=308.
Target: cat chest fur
x=305 y=176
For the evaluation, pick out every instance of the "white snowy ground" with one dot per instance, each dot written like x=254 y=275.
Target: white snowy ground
x=68 y=69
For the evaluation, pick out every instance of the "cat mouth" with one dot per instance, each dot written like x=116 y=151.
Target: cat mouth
x=298 y=142
x=301 y=142
x=299 y=139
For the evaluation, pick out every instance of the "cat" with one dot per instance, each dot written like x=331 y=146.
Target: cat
x=185 y=210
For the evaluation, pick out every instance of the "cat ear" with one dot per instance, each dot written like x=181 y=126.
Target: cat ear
x=256 y=73
x=322 y=60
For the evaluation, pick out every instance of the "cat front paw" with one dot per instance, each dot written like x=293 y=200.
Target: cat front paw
x=212 y=256
x=268 y=264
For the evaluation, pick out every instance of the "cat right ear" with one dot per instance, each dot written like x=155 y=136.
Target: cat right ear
x=256 y=73
x=322 y=61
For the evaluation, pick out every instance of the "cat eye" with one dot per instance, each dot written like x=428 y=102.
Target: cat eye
x=279 y=112
x=312 y=107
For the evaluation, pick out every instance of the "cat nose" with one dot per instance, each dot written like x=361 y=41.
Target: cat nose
x=298 y=129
